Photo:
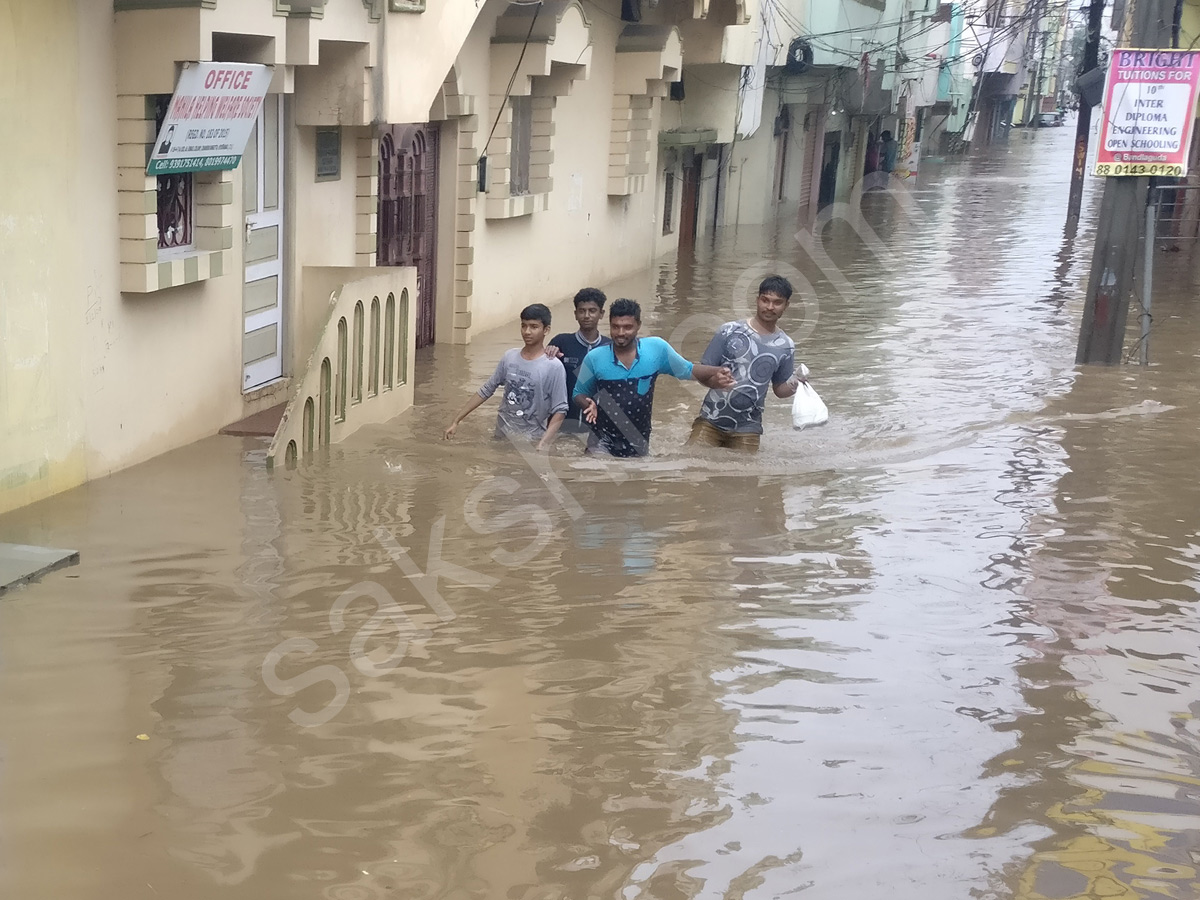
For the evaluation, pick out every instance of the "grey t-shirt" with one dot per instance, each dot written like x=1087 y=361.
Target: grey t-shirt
x=534 y=390
x=757 y=362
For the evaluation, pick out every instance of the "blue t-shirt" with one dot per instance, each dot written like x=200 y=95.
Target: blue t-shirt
x=625 y=396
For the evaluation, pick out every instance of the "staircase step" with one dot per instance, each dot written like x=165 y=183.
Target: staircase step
x=263 y=423
x=20 y=563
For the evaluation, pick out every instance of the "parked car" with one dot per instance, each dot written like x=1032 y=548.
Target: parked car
x=1049 y=119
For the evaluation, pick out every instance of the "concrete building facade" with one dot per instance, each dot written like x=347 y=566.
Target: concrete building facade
x=481 y=156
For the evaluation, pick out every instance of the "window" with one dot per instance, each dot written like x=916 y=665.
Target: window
x=356 y=386
x=389 y=342
x=175 y=195
x=668 y=202
x=329 y=154
x=373 y=373
x=522 y=140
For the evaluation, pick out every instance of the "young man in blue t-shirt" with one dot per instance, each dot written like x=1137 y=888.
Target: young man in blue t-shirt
x=615 y=387
x=571 y=347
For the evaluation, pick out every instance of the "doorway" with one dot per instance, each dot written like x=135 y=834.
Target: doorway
x=262 y=289
x=408 y=173
x=829 y=169
x=689 y=205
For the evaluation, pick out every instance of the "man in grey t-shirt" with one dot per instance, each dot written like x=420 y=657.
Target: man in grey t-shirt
x=533 y=403
x=760 y=356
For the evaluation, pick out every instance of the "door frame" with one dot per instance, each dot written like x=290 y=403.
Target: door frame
x=262 y=372
x=396 y=169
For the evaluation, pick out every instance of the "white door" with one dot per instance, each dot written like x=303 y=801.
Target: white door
x=262 y=294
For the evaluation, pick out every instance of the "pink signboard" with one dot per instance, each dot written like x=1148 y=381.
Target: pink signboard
x=1149 y=108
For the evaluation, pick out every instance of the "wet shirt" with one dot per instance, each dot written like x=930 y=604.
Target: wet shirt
x=757 y=362
x=534 y=390
x=574 y=350
x=625 y=396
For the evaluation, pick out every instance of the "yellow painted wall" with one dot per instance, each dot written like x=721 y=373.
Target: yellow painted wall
x=45 y=301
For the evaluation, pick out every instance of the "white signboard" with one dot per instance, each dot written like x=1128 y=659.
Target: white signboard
x=1149 y=108
x=210 y=117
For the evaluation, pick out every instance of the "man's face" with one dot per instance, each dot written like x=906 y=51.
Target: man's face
x=624 y=330
x=588 y=316
x=770 y=307
x=533 y=332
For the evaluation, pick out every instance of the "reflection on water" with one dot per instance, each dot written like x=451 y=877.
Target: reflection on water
x=944 y=647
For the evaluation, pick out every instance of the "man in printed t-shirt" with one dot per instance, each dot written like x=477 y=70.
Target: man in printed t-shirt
x=760 y=356
x=534 y=402
x=571 y=348
x=615 y=388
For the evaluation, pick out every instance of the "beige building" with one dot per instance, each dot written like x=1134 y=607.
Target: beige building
x=140 y=313
x=415 y=176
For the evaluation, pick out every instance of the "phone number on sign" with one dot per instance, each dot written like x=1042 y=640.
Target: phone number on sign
x=1139 y=169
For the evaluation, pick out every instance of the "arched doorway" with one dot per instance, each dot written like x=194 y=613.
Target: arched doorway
x=408 y=173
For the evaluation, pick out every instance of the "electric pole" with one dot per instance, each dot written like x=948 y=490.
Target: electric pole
x=1083 y=124
x=1036 y=9
x=1102 y=332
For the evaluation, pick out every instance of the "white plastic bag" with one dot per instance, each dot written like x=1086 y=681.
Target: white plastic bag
x=808 y=408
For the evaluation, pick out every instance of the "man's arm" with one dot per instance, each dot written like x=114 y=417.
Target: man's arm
x=558 y=406
x=489 y=388
x=717 y=378
x=552 y=427
x=786 y=380
x=473 y=404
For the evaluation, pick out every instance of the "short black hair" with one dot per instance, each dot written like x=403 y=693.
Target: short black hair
x=625 y=307
x=536 y=312
x=778 y=285
x=591 y=295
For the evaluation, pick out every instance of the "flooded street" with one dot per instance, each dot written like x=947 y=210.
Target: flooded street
x=945 y=647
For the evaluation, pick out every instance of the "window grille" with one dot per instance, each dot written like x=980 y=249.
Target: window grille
x=520 y=145
x=175 y=195
x=668 y=202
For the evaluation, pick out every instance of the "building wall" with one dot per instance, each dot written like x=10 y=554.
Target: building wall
x=58 y=341
x=94 y=379
x=585 y=236
x=98 y=373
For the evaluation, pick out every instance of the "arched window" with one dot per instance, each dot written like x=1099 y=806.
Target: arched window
x=339 y=408
x=402 y=361
x=309 y=426
x=325 y=400
x=389 y=342
x=373 y=374
x=356 y=387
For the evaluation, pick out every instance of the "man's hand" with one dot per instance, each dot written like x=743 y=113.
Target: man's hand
x=713 y=377
x=589 y=410
x=723 y=380
x=449 y=432
x=553 y=352
x=788 y=388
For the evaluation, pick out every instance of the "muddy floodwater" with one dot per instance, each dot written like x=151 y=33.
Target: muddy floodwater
x=945 y=647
